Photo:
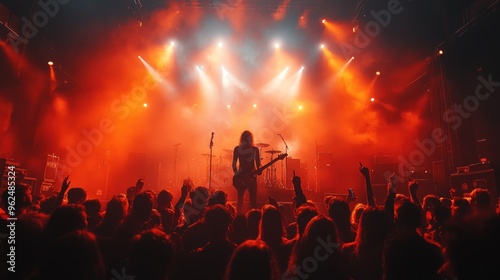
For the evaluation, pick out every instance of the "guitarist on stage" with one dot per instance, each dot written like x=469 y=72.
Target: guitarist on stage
x=249 y=161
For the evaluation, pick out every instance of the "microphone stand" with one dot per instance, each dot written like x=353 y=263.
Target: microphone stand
x=176 y=146
x=286 y=159
x=210 y=167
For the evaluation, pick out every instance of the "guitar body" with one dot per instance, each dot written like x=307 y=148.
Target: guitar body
x=242 y=180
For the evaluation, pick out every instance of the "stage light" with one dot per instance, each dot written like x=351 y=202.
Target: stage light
x=219 y=45
x=377 y=73
x=302 y=68
x=228 y=106
x=372 y=99
x=50 y=63
x=352 y=57
x=145 y=105
x=322 y=46
x=354 y=29
x=277 y=45
x=255 y=105
x=139 y=57
x=300 y=107
x=440 y=52
x=323 y=21
x=172 y=43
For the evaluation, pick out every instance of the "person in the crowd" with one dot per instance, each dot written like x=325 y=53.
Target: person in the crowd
x=252 y=260
x=339 y=212
x=73 y=255
x=253 y=221
x=94 y=214
x=272 y=232
x=407 y=254
x=318 y=248
x=151 y=254
x=239 y=232
x=116 y=211
x=356 y=214
x=304 y=215
x=365 y=253
x=77 y=195
x=210 y=261
x=65 y=219
x=166 y=210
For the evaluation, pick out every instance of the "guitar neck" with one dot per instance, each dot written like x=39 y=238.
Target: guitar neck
x=262 y=168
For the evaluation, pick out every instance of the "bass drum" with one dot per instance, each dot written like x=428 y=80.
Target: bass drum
x=224 y=178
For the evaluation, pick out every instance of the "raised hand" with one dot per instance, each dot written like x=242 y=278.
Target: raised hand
x=296 y=180
x=391 y=187
x=412 y=186
x=364 y=170
x=186 y=187
x=273 y=202
x=65 y=184
x=139 y=184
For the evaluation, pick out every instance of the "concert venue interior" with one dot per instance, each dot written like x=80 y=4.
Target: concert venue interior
x=108 y=92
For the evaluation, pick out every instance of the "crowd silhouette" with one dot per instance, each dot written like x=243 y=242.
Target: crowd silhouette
x=141 y=234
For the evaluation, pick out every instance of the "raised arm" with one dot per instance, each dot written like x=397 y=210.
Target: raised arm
x=186 y=187
x=412 y=190
x=60 y=196
x=300 y=198
x=391 y=195
x=369 y=190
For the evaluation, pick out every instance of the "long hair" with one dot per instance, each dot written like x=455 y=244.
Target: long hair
x=253 y=259
x=246 y=137
x=375 y=226
x=271 y=228
x=320 y=230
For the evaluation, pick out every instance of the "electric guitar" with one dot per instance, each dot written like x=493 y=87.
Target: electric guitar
x=242 y=179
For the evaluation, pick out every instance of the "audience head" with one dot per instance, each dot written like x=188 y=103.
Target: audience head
x=92 y=207
x=271 y=227
x=217 y=220
x=74 y=255
x=164 y=199
x=460 y=209
x=142 y=206
x=65 y=219
x=320 y=230
x=22 y=199
x=408 y=216
x=304 y=214
x=253 y=220
x=480 y=199
x=374 y=227
x=240 y=225
x=430 y=202
x=339 y=212
x=446 y=202
x=356 y=214
x=199 y=197
x=150 y=255
x=47 y=205
x=77 y=196
x=218 y=197
x=252 y=260
x=117 y=209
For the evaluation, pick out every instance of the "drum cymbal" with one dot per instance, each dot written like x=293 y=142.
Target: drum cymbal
x=262 y=145
x=273 y=152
